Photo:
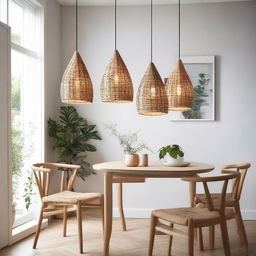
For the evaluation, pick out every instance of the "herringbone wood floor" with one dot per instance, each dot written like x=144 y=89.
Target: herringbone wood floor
x=134 y=242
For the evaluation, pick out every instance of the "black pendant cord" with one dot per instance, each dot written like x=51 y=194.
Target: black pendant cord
x=151 y=32
x=179 y=29
x=115 y=25
x=76 y=26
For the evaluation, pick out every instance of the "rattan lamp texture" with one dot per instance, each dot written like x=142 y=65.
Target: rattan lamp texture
x=151 y=96
x=179 y=87
x=76 y=84
x=116 y=84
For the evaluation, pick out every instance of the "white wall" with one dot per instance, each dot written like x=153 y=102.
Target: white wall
x=52 y=66
x=225 y=30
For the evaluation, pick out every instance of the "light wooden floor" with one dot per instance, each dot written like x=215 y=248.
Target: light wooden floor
x=131 y=243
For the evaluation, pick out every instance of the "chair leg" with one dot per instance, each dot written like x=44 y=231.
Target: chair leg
x=240 y=226
x=65 y=215
x=79 y=221
x=120 y=205
x=102 y=211
x=200 y=239
x=190 y=239
x=170 y=243
x=225 y=239
x=152 y=234
x=38 y=226
x=211 y=237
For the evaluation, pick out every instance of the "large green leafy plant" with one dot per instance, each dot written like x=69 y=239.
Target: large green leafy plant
x=71 y=135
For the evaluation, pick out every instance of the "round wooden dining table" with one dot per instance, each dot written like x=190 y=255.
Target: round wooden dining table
x=153 y=170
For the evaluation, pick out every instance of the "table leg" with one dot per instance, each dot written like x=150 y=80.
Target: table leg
x=107 y=211
x=192 y=192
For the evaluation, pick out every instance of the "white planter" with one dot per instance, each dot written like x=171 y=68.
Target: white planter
x=171 y=160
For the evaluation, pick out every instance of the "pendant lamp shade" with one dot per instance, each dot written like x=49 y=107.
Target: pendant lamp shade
x=116 y=84
x=151 y=96
x=76 y=84
x=179 y=89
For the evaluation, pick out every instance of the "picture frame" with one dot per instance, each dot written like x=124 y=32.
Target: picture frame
x=201 y=70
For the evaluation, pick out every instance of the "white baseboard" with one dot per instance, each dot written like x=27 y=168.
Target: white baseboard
x=248 y=214
x=25 y=230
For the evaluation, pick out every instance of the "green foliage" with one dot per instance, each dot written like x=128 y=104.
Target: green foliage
x=28 y=191
x=200 y=94
x=15 y=93
x=71 y=135
x=173 y=150
x=128 y=142
x=17 y=147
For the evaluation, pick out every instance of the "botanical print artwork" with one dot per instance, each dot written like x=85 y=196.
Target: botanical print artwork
x=202 y=77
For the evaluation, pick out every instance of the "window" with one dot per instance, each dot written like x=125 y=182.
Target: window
x=25 y=20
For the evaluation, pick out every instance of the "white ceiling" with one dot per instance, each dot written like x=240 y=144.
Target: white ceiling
x=141 y=2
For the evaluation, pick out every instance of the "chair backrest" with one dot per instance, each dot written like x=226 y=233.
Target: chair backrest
x=42 y=173
x=238 y=183
x=205 y=180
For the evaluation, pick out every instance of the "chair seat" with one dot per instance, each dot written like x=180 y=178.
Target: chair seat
x=201 y=199
x=199 y=216
x=70 y=197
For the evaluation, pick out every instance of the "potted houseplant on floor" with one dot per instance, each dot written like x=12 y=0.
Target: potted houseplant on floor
x=129 y=143
x=172 y=155
x=71 y=137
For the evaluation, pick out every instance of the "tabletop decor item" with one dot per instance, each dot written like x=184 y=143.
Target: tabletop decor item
x=172 y=155
x=129 y=143
x=143 y=160
x=71 y=136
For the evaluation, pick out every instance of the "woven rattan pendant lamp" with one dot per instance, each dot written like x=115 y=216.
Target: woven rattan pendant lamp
x=116 y=84
x=76 y=84
x=151 y=96
x=179 y=87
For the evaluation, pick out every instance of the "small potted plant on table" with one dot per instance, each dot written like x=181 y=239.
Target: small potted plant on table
x=172 y=155
x=130 y=145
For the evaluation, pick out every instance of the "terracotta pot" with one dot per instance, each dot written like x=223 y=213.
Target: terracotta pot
x=132 y=160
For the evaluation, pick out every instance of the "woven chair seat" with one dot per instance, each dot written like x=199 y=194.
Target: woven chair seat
x=70 y=197
x=199 y=216
x=200 y=200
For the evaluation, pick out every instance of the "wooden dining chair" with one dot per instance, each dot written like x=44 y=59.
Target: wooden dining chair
x=64 y=201
x=163 y=220
x=120 y=181
x=232 y=200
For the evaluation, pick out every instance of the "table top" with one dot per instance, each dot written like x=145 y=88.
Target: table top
x=154 y=169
